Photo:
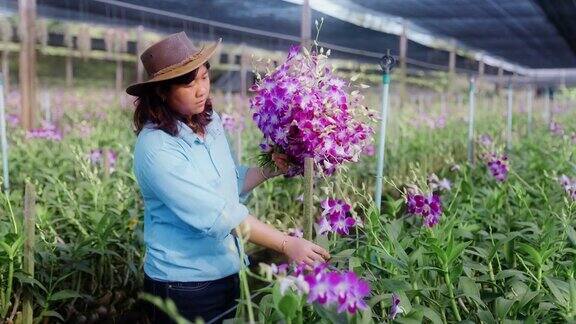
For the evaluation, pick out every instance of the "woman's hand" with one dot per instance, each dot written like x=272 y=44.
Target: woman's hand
x=281 y=163
x=300 y=250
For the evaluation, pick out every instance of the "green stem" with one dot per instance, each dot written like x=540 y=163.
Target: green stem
x=491 y=273
x=6 y=302
x=308 y=196
x=451 y=293
x=573 y=296
x=246 y=289
x=539 y=279
x=12 y=218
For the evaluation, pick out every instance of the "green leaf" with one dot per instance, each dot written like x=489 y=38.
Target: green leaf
x=486 y=317
x=571 y=235
x=456 y=251
x=395 y=285
x=510 y=273
x=354 y=262
x=534 y=255
x=412 y=317
x=51 y=313
x=330 y=314
x=503 y=306
x=431 y=315
x=526 y=298
x=24 y=278
x=470 y=289
x=561 y=298
x=440 y=253
x=266 y=306
x=343 y=255
x=289 y=305
x=64 y=294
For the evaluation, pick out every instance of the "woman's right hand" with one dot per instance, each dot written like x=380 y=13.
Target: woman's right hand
x=302 y=251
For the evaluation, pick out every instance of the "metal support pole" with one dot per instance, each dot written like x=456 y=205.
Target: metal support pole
x=4 y=141
x=471 y=109
x=509 y=119
x=45 y=103
x=547 y=107
x=386 y=63
x=402 y=60
x=529 y=97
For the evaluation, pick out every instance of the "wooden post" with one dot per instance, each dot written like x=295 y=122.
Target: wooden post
x=6 y=29
x=481 y=68
x=306 y=30
x=529 y=97
x=403 y=73
x=139 y=50
x=509 y=119
x=547 y=107
x=27 y=9
x=119 y=74
x=443 y=105
x=452 y=63
x=68 y=41
x=29 y=239
x=106 y=156
x=45 y=104
x=243 y=95
x=500 y=77
x=120 y=48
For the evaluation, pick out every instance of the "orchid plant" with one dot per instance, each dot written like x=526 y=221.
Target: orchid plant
x=304 y=110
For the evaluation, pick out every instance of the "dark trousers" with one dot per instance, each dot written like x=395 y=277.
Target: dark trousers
x=205 y=299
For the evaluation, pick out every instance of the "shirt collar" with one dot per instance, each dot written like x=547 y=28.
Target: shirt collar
x=190 y=137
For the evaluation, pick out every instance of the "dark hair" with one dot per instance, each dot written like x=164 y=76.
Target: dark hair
x=151 y=108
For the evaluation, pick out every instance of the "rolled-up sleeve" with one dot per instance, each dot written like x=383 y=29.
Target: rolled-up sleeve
x=182 y=188
x=242 y=171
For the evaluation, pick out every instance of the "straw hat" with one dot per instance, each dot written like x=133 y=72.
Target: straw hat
x=172 y=57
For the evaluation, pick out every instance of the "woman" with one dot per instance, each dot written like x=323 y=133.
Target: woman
x=192 y=189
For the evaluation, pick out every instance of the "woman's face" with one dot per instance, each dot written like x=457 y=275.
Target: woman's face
x=189 y=99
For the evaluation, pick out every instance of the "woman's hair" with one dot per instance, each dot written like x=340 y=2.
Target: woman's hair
x=150 y=107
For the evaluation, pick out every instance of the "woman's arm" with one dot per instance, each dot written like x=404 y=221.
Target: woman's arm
x=296 y=249
x=256 y=175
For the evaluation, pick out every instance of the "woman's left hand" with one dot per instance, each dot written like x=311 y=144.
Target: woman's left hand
x=282 y=165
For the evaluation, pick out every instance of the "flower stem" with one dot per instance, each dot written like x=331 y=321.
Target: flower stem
x=451 y=293
x=539 y=278
x=308 y=196
x=491 y=273
x=246 y=290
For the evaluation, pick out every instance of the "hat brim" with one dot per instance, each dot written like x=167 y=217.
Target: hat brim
x=203 y=56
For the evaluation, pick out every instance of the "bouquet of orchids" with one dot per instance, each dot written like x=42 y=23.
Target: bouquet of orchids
x=304 y=110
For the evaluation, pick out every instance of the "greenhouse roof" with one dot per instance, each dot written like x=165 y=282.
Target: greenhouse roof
x=518 y=35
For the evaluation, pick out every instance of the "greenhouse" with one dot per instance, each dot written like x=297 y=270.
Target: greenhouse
x=287 y=161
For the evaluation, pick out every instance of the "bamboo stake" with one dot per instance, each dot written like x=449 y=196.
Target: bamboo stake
x=28 y=257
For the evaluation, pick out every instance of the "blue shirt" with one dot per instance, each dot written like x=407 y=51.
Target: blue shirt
x=190 y=188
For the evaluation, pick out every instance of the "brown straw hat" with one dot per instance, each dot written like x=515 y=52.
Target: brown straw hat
x=172 y=57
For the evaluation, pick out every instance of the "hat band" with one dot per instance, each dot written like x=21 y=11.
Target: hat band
x=179 y=64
